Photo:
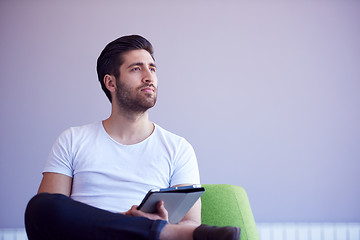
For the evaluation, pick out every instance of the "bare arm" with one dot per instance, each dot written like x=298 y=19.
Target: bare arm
x=56 y=183
x=193 y=217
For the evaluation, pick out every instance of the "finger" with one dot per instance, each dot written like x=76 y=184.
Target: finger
x=163 y=213
x=134 y=207
x=131 y=211
x=160 y=205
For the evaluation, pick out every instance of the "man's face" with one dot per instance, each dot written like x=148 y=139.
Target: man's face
x=137 y=84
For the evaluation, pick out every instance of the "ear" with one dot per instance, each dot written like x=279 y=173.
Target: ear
x=110 y=82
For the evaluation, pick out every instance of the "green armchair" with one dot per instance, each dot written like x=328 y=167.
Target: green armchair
x=228 y=205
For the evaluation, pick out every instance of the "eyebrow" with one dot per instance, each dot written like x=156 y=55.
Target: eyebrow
x=141 y=64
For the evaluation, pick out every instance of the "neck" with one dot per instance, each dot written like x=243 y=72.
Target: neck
x=128 y=128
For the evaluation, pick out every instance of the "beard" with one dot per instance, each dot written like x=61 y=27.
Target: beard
x=133 y=100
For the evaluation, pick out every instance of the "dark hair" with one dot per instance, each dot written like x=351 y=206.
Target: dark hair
x=111 y=57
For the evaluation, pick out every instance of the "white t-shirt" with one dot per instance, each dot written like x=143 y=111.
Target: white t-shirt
x=112 y=176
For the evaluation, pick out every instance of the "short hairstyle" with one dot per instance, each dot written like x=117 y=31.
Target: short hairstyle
x=111 y=58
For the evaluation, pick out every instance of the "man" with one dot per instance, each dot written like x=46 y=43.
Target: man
x=95 y=173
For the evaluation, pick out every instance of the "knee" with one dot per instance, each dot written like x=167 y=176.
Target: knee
x=41 y=204
x=34 y=205
x=42 y=200
x=40 y=212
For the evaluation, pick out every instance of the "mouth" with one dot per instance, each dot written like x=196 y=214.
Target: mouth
x=147 y=89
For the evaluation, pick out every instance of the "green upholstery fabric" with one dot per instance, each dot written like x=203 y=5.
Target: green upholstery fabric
x=228 y=205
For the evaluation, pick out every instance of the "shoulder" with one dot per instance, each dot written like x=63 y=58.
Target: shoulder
x=80 y=132
x=161 y=132
x=165 y=132
x=169 y=138
x=88 y=128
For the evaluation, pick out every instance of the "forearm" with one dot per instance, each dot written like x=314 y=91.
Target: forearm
x=193 y=217
x=189 y=222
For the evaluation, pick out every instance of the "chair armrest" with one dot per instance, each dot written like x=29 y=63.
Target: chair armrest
x=228 y=205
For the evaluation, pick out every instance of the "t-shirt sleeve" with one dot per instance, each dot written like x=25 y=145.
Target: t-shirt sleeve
x=186 y=168
x=60 y=157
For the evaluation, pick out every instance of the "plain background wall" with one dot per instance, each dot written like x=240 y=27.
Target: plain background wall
x=268 y=93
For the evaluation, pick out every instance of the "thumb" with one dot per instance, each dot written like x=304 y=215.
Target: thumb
x=162 y=210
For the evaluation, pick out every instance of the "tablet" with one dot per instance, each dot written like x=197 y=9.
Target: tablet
x=177 y=200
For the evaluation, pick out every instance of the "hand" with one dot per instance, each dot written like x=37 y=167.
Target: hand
x=161 y=213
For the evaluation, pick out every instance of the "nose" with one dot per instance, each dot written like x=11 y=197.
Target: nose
x=149 y=76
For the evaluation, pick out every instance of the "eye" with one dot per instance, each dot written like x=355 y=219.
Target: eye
x=135 y=69
x=153 y=69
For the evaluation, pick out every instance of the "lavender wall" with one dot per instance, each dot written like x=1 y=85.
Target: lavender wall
x=267 y=93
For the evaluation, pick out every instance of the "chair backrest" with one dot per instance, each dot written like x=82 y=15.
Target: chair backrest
x=228 y=205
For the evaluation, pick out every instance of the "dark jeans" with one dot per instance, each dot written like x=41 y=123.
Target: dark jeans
x=55 y=216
